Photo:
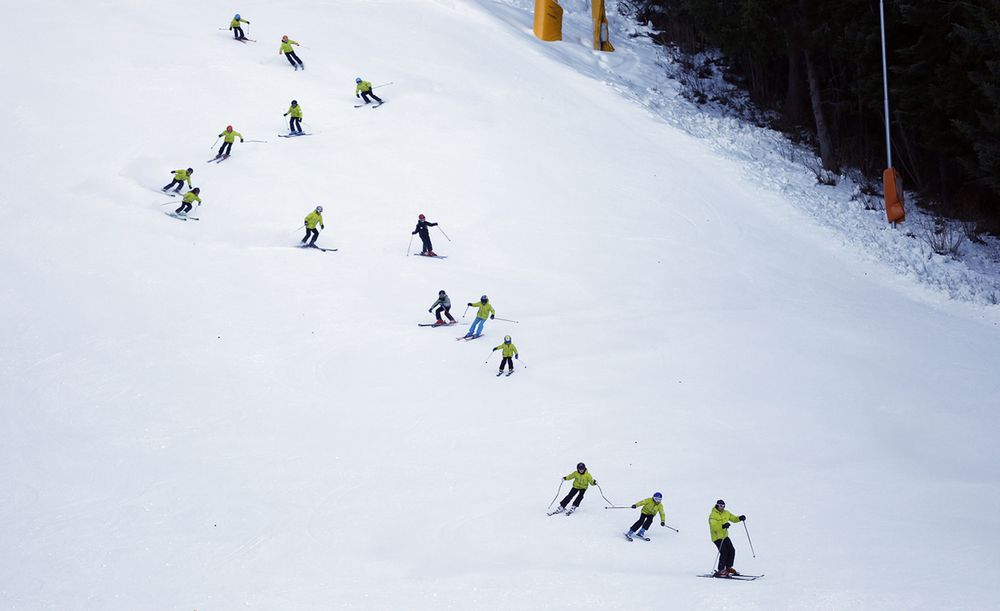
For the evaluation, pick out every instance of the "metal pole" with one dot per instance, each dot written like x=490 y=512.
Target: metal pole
x=885 y=83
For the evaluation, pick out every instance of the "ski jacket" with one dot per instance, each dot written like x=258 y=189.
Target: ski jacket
x=580 y=482
x=231 y=136
x=510 y=350
x=422 y=228
x=715 y=521
x=190 y=197
x=484 y=310
x=286 y=46
x=649 y=507
x=312 y=219
x=444 y=302
x=182 y=175
x=235 y=23
x=295 y=111
x=362 y=86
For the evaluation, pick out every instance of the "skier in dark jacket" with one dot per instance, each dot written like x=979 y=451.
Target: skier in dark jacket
x=425 y=237
x=443 y=304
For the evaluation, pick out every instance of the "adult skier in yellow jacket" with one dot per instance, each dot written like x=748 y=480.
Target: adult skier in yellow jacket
x=180 y=176
x=286 y=48
x=582 y=479
x=650 y=507
x=718 y=527
x=312 y=219
x=509 y=350
x=484 y=311
x=364 y=89
x=229 y=136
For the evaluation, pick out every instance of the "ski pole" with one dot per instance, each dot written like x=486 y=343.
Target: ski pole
x=445 y=234
x=382 y=85
x=505 y=319
x=214 y=143
x=263 y=141
x=718 y=555
x=672 y=528
x=748 y=538
x=168 y=203
x=601 y=490
x=410 y=246
x=297 y=229
x=518 y=359
x=561 y=482
x=617 y=507
x=466 y=307
x=487 y=361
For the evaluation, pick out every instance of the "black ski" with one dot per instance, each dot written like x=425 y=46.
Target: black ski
x=434 y=324
x=431 y=256
x=552 y=513
x=314 y=247
x=293 y=135
x=733 y=577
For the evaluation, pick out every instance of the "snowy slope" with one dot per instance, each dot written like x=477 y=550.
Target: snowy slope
x=197 y=415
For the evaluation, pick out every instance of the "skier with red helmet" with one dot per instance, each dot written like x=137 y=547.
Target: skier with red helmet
x=425 y=237
x=227 y=145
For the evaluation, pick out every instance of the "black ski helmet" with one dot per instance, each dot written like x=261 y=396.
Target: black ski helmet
x=295 y=103
x=190 y=170
x=720 y=504
x=581 y=467
x=319 y=209
x=484 y=299
x=506 y=339
x=442 y=293
x=196 y=190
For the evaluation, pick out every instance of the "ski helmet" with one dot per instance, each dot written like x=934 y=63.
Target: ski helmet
x=229 y=128
x=720 y=504
x=657 y=496
x=581 y=467
x=196 y=190
x=295 y=102
x=441 y=292
x=190 y=170
x=357 y=80
x=319 y=208
x=506 y=339
x=421 y=217
x=237 y=16
x=284 y=37
x=484 y=299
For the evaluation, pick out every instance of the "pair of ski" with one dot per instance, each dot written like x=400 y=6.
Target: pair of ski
x=218 y=158
x=561 y=509
x=510 y=372
x=636 y=535
x=314 y=247
x=420 y=254
x=293 y=135
x=434 y=324
x=244 y=39
x=469 y=338
x=732 y=577
x=182 y=217
x=369 y=104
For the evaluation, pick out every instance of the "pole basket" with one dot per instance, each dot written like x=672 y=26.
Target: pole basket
x=893 y=185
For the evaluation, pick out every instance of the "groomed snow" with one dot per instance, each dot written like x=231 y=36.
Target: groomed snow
x=198 y=416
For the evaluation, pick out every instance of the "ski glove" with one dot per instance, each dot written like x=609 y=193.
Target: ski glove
x=742 y=518
x=357 y=95
x=241 y=139
x=663 y=523
x=429 y=311
x=494 y=350
x=515 y=356
x=726 y=525
x=322 y=226
x=470 y=305
x=492 y=316
x=633 y=506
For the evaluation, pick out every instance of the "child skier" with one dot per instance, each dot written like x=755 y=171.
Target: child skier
x=295 y=123
x=425 y=236
x=364 y=89
x=312 y=219
x=718 y=526
x=286 y=48
x=649 y=508
x=484 y=310
x=582 y=479
x=443 y=304
x=509 y=350
x=227 y=143
x=180 y=177
x=234 y=25
x=189 y=197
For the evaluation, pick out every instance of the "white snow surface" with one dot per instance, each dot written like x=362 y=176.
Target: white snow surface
x=198 y=416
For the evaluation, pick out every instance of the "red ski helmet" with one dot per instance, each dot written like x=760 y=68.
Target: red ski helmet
x=421 y=217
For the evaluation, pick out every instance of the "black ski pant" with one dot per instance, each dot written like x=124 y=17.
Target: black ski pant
x=185 y=208
x=577 y=492
x=365 y=94
x=447 y=312
x=238 y=33
x=509 y=361
x=295 y=125
x=179 y=183
x=293 y=58
x=225 y=149
x=727 y=553
x=642 y=523
x=428 y=247
x=311 y=232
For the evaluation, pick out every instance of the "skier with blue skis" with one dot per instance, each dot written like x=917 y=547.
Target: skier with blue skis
x=484 y=311
x=649 y=507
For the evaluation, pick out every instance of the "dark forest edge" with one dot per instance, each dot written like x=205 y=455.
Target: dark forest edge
x=812 y=69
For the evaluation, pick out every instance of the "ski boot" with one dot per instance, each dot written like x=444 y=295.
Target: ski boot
x=732 y=572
